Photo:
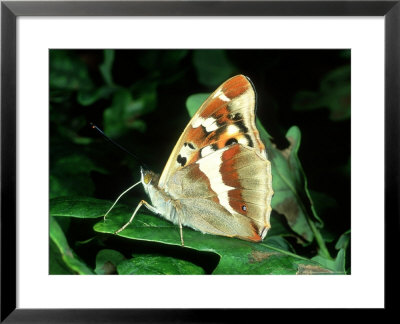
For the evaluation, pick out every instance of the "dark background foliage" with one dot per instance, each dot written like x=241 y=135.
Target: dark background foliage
x=139 y=98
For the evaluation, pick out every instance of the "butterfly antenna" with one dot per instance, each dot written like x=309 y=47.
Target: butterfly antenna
x=118 y=145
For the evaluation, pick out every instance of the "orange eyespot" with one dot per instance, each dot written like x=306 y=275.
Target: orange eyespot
x=147 y=178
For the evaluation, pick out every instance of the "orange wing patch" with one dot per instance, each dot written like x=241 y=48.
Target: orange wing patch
x=235 y=87
x=225 y=118
x=255 y=237
x=214 y=105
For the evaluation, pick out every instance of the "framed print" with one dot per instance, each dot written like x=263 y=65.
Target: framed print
x=179 y=155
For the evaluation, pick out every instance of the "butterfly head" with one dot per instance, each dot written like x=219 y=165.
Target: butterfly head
x=148 y=178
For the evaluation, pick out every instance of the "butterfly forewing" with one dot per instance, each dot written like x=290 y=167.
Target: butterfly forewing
x=225 y=118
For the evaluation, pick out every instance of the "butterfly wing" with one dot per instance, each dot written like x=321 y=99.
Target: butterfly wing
x=228 y=193
x=218 y=173
x=226 y=117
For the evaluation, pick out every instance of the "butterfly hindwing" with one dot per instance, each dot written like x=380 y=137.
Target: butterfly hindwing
x=225 y=191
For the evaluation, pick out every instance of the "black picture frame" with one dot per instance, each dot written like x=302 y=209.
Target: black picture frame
x=11 y=10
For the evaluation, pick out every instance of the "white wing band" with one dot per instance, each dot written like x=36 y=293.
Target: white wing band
x=210 y=166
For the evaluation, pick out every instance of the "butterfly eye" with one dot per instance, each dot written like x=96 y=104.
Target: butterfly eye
x=244 y=208
x=147 y=178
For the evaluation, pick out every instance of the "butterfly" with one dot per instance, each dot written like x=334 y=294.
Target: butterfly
x=217 y=179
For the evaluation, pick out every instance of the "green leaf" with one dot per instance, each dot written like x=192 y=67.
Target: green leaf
x=343 y=241
x=62 y=185
x=67 y=171
x=79 y=207
x=56 y=263
x=77 y=163
x=337 y=264
x=90 y=96
x=125 y=111
x=236 y=256
x=68 y=72
x=322 y=202
x=291 y=197
x=323 y=205
x=280 y=227
x=278 y=242
x=172 y=58
x=106 y=66
x=213 y=67
x=194 y=102
x=69 y=127
x=107 y=261
x=153 y=265
x=67 y=254
x=157 y=61
x=334 y=94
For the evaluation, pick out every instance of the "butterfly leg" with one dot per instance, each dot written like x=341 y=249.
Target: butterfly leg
x=142 y=202
x=178 y=210
x=105 y=215
x=180 y=231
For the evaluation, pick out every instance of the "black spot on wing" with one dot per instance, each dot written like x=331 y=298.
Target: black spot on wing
x=242 y=127
x=181 y=160
x=249 y=141
x=205 y=130
x=236 y=116
x=231 y=141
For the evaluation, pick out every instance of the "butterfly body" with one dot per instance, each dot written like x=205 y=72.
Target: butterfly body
x=218 y=178
x=163 y=204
